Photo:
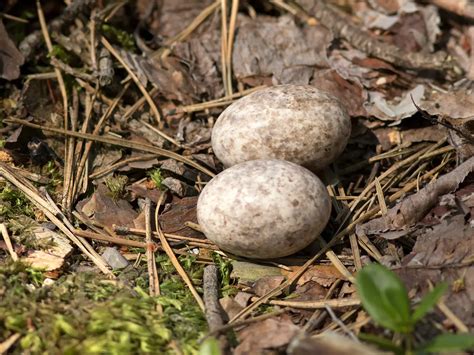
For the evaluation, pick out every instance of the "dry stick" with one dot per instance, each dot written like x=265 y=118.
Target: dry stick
x=62 y=87
x=449 y=314
x=347 y=230
x=111 y=168
x=8 y=242
x=334 y=303
x=211 y=300
x=50 y=213
x=130 y=111
x=224 y=45
x=223 y=101
x=203 y=15
x=341 y=324
x=118 y=142
x=154 y=282
x=88 y=146
x=123 y=241
x=89 y=107
x=398 y=165
x=91 y=90
x=319 y=315
x=355 y=251
x=340 y=266
x=344 y=317
x=141 y=232
x=247 y=321
x=161 y=134
x=8 y=343
x=67 y=190
x=463 y=8
x=175 y=262
x=145 y=93
x=230 y=44
x=113 y=240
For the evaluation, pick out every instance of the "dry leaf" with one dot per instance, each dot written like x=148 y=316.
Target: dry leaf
x=413 y=208
x=272 y=333
x=10 y=57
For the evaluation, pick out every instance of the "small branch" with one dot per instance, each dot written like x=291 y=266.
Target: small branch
x=175 y=262
x=463 y=8
x=8 y=242
x=211 y=300
x=118 y=142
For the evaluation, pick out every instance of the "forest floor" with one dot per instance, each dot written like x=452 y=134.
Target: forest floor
x=106 y=112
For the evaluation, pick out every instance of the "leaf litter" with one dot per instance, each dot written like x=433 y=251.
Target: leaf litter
x=402 y=190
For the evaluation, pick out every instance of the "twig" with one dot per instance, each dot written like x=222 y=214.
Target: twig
x=153 y=280
x=145 y=93
x=8 y=242
x=334 y=303
x=463 y=8
x=50 y=212
x=224 y=45
x=247 y=321
x=341 y=324
x=136 y=231
x=223 y=101
x=175 y=262
x=31 y=42
x=108 y=169
x=230 y=44
x=211 y=300
x=8 y=343
x=88 y=145
x=188 y=30
x=118 y=142
x=355 y=251
x=69 y=161
x=318 y=315
x=113 y=240
x=62 y=87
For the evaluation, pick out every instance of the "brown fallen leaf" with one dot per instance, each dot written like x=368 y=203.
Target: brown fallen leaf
x=107 y=211
x=325 y=275
x=330 y=343
x=444 y=253
x=413 y=208
x=53 y=256
x=10 y=57
x=180 y=210
x=272 y=333
x=278 y=48
x=267 y=283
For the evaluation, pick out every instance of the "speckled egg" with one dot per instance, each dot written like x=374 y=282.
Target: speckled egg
x=263 y=209
x=298 y=123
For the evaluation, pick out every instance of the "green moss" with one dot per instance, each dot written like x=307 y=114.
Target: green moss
x=157 y=177
x=116 y=185
x=13 y=202
x=84 y=313
x=124 y=38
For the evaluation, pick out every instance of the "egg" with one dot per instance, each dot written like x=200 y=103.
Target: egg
x=263 y=209
x=297 y=123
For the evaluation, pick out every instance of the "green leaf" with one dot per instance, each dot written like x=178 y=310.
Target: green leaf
x=450 y=342
x=429 y=301
x=210 y=347
x=382 y=343
x=384 y=297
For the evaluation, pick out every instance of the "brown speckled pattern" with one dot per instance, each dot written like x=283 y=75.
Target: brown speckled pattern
x=298 y=123
x=264 y=209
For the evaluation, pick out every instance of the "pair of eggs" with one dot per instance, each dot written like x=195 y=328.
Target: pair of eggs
x=267 y=204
